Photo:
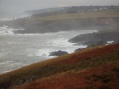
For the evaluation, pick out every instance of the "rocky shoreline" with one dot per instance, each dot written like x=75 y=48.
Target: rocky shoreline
x=96 y=39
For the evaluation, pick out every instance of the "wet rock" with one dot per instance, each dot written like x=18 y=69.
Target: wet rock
x=78 y=49
x=58 y=53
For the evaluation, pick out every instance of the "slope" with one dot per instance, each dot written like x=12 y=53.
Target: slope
x=92 y=68
x=104 y=19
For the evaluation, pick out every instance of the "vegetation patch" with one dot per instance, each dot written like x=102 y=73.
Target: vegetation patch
x=96 y=66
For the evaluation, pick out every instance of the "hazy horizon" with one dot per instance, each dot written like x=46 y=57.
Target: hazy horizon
x=14 y=7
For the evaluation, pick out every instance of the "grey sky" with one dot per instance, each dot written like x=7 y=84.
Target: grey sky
x=17 y=6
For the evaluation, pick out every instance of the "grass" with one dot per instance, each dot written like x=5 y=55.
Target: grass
x=94 y=78
x=79 y=62
x=84 y=15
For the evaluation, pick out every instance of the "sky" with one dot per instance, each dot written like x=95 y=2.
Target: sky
x=12 y=7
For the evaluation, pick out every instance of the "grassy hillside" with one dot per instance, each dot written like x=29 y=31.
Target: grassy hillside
x=96 y=14
x=92 y=68
x=67 y=21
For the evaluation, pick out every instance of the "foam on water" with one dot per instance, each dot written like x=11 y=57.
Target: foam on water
x=23 y=49
x=5 y=30
x=110 y=42
x=60 y=42
x=21 y=15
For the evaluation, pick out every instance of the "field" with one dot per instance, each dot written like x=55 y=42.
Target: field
x=86 y=15
x=105 y=19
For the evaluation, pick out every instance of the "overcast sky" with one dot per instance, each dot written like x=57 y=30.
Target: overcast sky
x=18 y=6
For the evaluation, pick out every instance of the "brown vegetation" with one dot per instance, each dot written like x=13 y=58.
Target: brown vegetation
x=102 y=77
x=92 y=68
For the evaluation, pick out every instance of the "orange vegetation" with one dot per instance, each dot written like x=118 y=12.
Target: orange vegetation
x=102 y=77
x=92 y=68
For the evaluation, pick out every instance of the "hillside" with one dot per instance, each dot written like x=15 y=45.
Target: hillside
x=88 y=20
x=70 y=9
x=92 y=68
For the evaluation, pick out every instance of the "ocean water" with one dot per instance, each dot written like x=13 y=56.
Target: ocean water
x=20 y=50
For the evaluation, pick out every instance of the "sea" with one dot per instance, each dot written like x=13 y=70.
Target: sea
x=18 y=50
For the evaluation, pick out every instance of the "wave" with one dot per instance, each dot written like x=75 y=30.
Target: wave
x=45 y=52
x=30 y=48
x=5 y=30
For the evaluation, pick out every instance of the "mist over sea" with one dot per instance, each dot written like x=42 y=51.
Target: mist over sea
x=18 y=50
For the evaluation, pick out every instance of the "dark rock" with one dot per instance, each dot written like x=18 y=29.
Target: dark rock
x=78 y=49
x=58 y=53
x=96 y=39
x=91 y=44
x=95 y=43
